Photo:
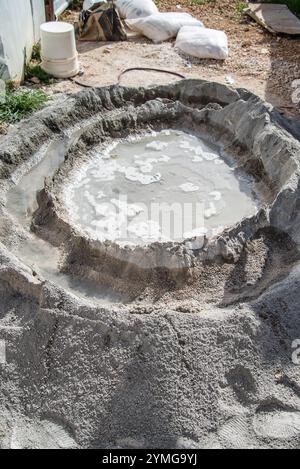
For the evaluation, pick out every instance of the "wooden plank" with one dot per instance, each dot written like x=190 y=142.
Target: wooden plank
x=274 y=18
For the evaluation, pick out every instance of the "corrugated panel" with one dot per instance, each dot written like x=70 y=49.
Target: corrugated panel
x=19 y=30
x=38 y=16
x=60 y=6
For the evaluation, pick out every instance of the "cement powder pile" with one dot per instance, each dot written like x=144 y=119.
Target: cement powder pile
x=190 y=343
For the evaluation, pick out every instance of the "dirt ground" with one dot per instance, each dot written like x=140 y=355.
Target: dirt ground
x=264 y=63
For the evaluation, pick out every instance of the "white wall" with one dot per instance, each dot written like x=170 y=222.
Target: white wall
x=19 y=30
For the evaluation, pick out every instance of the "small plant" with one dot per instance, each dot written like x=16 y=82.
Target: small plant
x=241 y=7
x=18 y=105
x=36 y=52
x=10 y=85
x=35 y=70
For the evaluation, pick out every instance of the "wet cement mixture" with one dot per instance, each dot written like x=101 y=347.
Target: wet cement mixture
x=182 y=342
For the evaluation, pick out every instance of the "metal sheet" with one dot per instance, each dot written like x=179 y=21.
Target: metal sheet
x=275 y=18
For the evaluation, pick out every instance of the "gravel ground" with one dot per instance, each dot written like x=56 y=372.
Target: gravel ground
x=259 y=61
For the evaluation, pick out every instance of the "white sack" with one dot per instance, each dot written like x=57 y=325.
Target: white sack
x=203 y=43
x=130 y=9
x=162 y=26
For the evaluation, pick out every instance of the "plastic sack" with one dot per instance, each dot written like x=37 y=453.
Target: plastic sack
x=101 y=24
x=130 y=9
x=162 y=26
x=203 y=43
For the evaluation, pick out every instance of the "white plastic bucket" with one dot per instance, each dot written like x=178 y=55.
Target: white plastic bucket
x=58 y=49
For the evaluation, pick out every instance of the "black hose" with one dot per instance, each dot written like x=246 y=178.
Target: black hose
x=149 y=69
x=146 y=69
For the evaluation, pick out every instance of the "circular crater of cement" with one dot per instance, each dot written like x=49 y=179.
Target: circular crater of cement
x=200 y=193
x=210 y=152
